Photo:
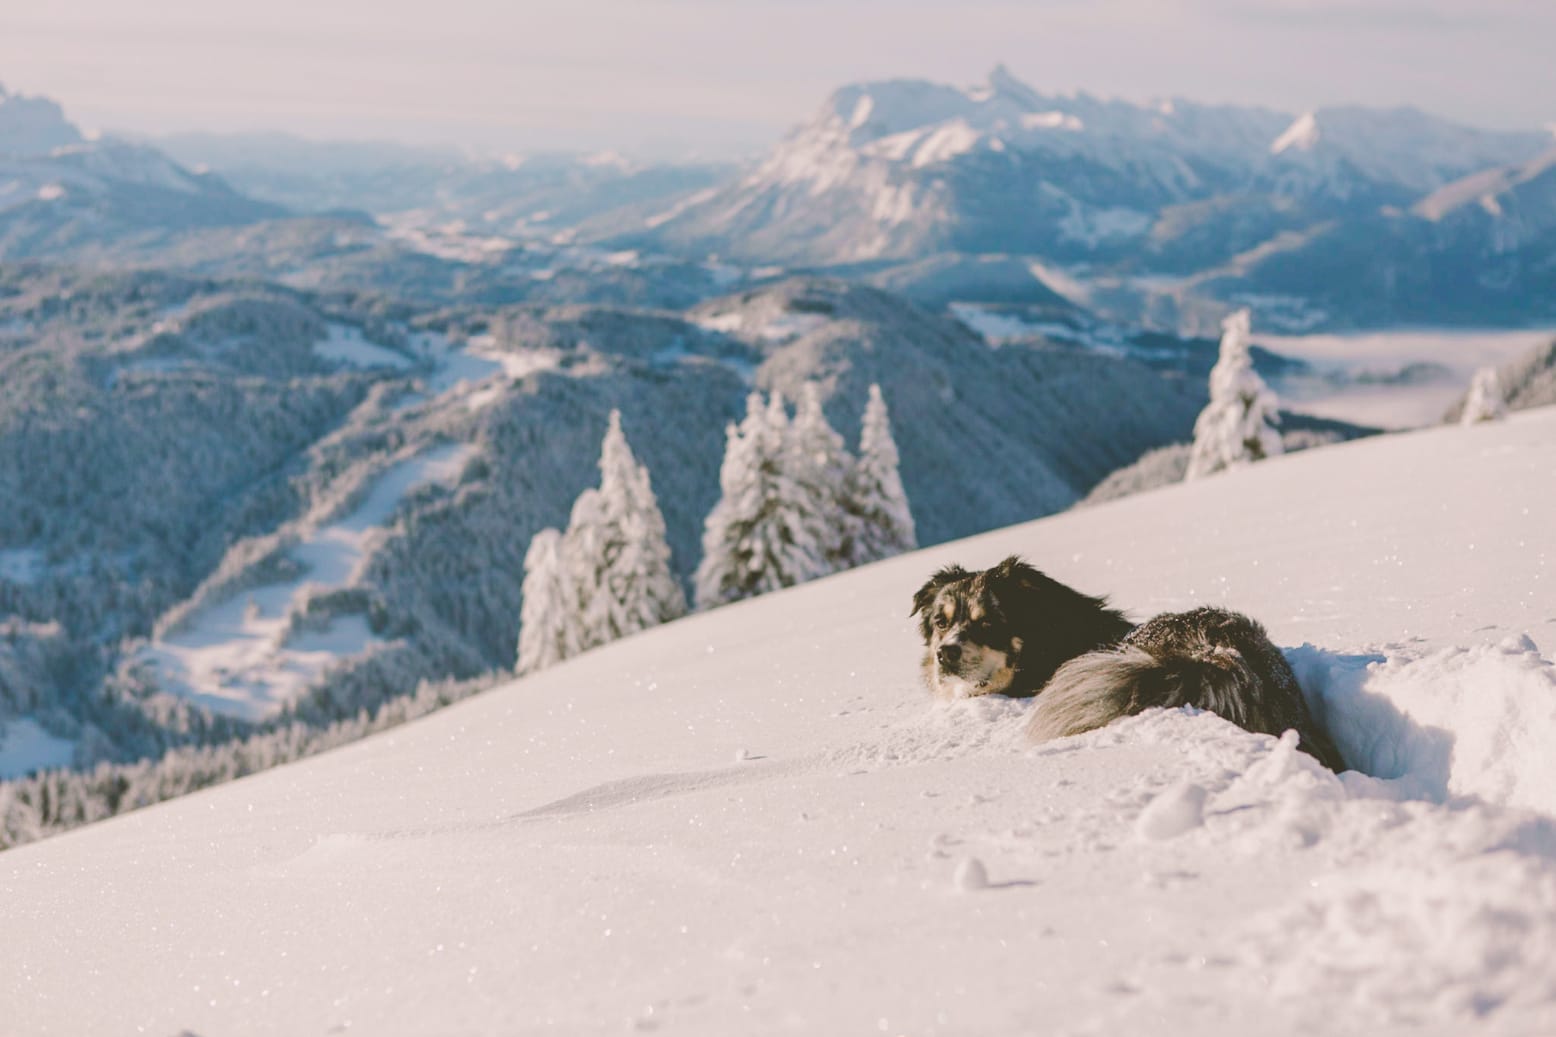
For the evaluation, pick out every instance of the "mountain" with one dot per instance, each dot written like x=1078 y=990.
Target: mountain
x=235 y=505
x=63 y=193
x=521 y=196
x=33 y=125
x=1166 y=213
x=1481 y=250
x=904 y=168
x=754 y=821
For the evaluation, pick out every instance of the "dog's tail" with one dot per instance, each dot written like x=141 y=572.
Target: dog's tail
x=1097 y=688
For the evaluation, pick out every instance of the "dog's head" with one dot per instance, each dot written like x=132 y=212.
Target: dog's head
x=972 y=628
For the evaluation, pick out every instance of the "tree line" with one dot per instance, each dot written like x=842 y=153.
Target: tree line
x=794 y=505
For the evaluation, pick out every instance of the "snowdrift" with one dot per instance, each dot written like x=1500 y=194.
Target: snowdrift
x=755 y=821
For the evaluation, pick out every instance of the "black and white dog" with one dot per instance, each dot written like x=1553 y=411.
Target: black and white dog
x=1011 y=630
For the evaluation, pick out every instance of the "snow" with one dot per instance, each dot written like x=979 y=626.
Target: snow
x=691 y=200
x=241 y=655
x=345 y=344
x=1092 y=226
x=862 y=110
x=754 y=820
x=26 y=747
x=478 y=367
x=945 y=142
x=1355 y=370
x=1301 y=135
x=994 y=327
x=1052 y=121
x=784 y=326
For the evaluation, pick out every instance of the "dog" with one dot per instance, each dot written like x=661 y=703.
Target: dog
x=1011 y=630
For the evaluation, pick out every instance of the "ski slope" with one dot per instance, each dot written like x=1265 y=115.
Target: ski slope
x=754 y=820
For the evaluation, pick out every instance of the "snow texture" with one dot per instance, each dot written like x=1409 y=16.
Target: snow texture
x=1237 y=426
x=755 y=820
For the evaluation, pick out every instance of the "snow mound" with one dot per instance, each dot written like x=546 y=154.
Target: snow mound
x=1454 y=942
x=1179 y=809
x=1458 y=722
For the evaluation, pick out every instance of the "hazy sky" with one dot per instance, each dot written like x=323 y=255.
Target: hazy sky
x=723 y=77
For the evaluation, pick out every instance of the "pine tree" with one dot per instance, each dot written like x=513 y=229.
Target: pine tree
x=606 y=577
x=634 y=588
x=820 y=467
x=755 y=539
x=615 y=550
x=548 y=617
x=880 y=524
x=1486 y=400
x=1237 y=427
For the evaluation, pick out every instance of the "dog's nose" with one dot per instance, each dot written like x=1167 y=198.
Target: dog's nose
x=950 y=655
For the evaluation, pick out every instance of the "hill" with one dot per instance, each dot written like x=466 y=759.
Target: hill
x=753 y=820
x=233 y=504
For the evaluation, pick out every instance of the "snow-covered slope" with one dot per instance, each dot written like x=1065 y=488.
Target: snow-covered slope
x=754 y=821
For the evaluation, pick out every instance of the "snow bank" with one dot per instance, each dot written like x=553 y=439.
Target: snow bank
x=1459 y=722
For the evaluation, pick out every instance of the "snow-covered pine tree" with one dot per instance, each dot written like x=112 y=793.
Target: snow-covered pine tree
x=1487 y=401
x=753 y=541
x=820 y=467
x=880 y=524
x=1237 y=426
x=616 y=552
x=636 y=588
x=548 y=617
x=580 y=560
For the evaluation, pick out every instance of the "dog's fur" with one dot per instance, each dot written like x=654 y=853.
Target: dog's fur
x=1011 y=630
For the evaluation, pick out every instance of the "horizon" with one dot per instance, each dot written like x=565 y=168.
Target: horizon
x=686 y=79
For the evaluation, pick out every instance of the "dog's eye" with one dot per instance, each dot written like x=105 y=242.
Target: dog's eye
x=940 y=620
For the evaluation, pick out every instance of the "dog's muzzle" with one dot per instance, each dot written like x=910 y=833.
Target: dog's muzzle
x=949 y=656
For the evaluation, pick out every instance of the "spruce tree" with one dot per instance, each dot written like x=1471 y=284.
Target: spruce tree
x=634 y=588
x=1237 y=426
x=756 y=539
x=820 y=467
x=548 y=617
x=879 y=524
x=1486 y=400
x=606 y=577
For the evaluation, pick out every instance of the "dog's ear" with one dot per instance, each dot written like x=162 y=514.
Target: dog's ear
x=925 y=595
x=1014 y=572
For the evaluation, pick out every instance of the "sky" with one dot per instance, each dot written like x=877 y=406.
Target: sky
x=725 y=78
